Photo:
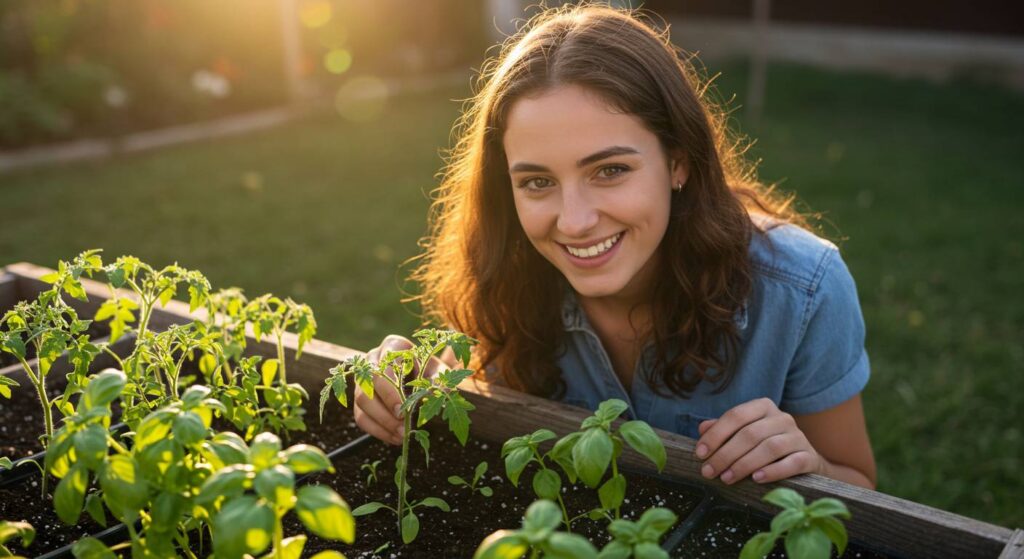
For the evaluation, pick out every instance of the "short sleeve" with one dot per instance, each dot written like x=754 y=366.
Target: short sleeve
x=830 y=365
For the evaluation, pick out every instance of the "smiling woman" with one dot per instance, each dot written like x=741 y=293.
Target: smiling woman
x=602 y=236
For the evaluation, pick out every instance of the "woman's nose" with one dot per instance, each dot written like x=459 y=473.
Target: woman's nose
x=578 y=215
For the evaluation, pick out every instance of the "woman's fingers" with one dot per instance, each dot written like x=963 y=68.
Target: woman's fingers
x=742 y=443
x=718 y=432
x=801 y=462
x=771 y=450
x=367 y=423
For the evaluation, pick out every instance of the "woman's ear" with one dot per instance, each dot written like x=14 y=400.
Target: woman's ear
x=679 y=170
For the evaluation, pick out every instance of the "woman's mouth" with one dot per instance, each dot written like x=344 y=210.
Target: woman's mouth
x=594 y=251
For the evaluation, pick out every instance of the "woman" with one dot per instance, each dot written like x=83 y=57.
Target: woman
x=602 y=237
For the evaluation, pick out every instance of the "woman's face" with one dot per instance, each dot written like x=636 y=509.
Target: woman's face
x=592 y=189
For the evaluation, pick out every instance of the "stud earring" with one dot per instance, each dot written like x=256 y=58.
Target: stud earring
x=678 y=187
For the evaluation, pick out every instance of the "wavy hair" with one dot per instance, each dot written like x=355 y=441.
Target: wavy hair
x=478 y=272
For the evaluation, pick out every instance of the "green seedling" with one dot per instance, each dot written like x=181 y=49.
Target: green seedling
x=255 y=402
x=585 y=455
x=52 y=327
x=159 y=358
x=809 y=531
x=427 y=397
x=272 y=316
x=538 y=536
x=247 y=501
x=478 y=473
x=10 y=530
x=149 y=287
x=371 y=471
x=639 y=539
x=226 y=318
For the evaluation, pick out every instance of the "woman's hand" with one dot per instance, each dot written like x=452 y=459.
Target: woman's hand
x=380 y=416
x=755 y=439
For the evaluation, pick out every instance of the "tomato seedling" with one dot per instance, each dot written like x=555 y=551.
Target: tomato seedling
x=429 y=397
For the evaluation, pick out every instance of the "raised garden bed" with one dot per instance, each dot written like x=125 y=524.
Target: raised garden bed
x=881 y=525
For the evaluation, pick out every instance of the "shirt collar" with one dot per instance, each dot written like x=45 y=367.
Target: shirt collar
x=573 y=317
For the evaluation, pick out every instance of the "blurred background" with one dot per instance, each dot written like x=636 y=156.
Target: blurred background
x=290 y=146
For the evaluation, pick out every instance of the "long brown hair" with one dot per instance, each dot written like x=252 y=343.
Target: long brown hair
x=480 y=274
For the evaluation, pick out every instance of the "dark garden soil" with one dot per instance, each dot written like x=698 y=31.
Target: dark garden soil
x=723 y=531
x=26 y=503
x=473 y=516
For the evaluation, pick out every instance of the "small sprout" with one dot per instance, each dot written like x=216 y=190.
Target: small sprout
x=809 y=530
x=481 y=469
x=371 y=469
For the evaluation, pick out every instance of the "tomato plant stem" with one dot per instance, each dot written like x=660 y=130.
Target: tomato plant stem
x=407 y=422
x=40 y=383
x=280 y=356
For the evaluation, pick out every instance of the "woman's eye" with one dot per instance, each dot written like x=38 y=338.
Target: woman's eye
x=535 y=183
x=612 y=171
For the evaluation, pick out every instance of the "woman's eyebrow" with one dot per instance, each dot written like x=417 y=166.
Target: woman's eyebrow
x=525 y=167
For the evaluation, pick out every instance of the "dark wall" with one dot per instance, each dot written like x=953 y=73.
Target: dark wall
x=994 y=17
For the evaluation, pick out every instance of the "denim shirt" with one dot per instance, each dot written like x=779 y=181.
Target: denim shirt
x=801 y=342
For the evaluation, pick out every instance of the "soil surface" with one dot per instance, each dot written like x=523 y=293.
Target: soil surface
x=723 y=531
x=26 y=503
x=473 y=516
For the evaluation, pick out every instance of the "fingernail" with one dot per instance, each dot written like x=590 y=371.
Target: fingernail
x=702 y=450
x=707 y=471
x=401 y=431
x=398 y=411
x=758 y=475
x=727 y=476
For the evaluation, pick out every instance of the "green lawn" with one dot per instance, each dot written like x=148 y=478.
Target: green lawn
x=920 y=185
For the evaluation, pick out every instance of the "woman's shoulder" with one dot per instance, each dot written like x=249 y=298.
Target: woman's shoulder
x=782 y=252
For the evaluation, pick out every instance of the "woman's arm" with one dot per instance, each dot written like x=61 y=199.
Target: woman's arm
x=757 y=439
x=840 y=436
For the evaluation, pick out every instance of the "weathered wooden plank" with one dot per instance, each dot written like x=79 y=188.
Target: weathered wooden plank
x=8 y=291
x=894 y=524
x=1015 y=547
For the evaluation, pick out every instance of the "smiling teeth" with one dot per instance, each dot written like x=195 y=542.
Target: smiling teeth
x=596 y=250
